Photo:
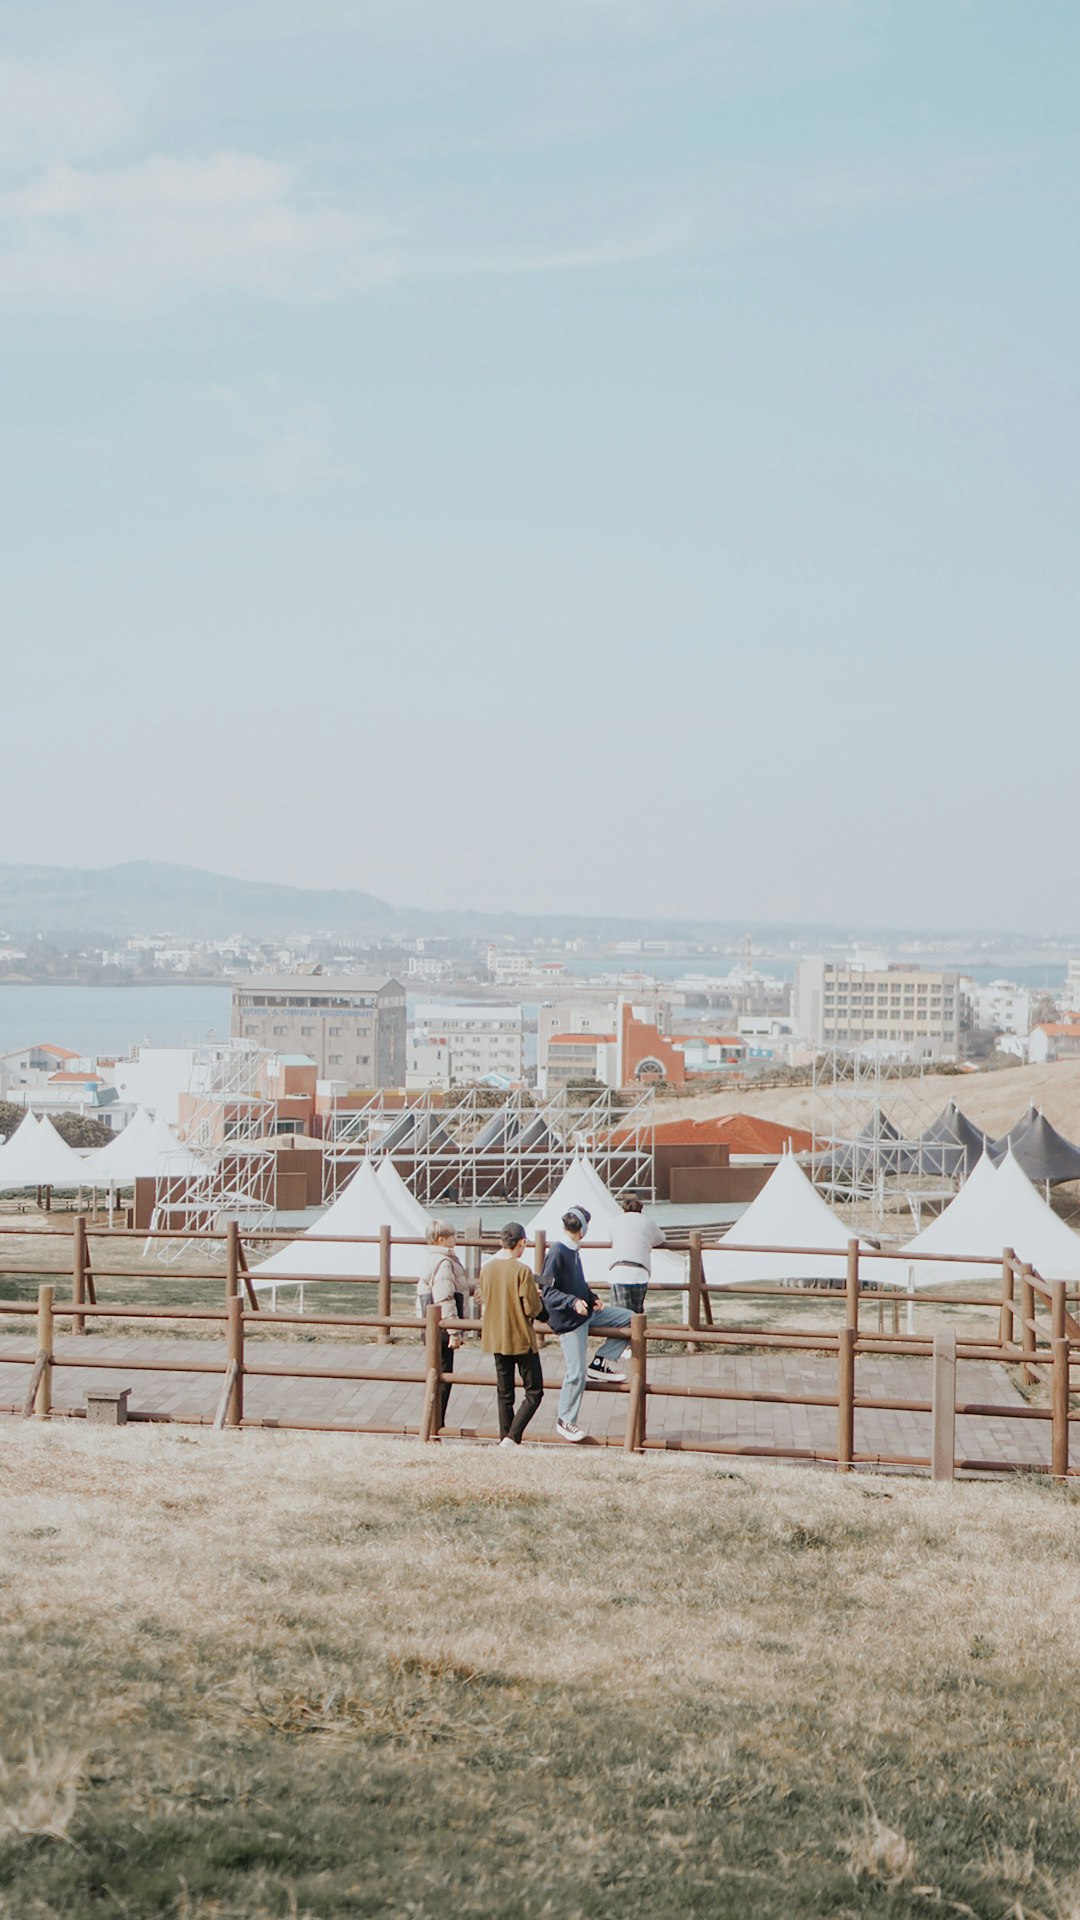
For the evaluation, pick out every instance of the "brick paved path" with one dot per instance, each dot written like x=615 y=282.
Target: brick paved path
x=394 y=1404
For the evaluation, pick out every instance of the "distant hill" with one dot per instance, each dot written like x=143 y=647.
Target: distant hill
x=151 y=896
x=72 y=904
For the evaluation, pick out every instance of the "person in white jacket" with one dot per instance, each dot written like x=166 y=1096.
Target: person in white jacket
x=632 y=1243
x=444 y=1283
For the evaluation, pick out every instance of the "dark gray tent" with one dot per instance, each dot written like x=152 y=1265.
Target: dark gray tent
x=502 y=1127
x=952 y=1145
x=878 y=1147
x=537 y=1137
x=1000 y=1147
x=399 y=1131
x=1039 y=1149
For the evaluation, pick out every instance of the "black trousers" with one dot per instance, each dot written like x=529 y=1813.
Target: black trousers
x=446 y=1365
x=532 y=1379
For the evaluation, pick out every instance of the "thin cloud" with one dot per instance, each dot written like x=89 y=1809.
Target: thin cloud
x=50 y=112
x=284 y=452
x=233 y=222
x=618 y=250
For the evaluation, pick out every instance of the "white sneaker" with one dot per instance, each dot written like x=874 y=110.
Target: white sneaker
x=566 y=1432
x=507 y=1442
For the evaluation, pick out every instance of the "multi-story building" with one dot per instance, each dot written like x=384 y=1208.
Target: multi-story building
x=1070 y=992
x=427 y=1061
x=568 y=1018
x=1001 y=1006
x=907 y=1012
x=351 y=1025
x=509 y=966
x=480 y=1042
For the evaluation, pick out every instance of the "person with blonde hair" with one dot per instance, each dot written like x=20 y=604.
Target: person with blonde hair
x=443 y=1283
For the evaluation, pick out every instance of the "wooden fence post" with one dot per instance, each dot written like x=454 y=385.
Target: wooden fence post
x=235 y=1356
x=1008 y=1272
x=429 y=1418
x=43 y=1398
x=693 y=1297
x=78 y=1271
x=383 y=1307
x=634 y=1437
x=232 y=1262
x=1027 y=1314
x=845 y=1399
x=1059 y=1406
x=943 y=1400
x=852 y=1286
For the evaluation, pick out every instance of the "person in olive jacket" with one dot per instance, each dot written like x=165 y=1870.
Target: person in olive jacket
x=572 y=1309
x=510 y=1302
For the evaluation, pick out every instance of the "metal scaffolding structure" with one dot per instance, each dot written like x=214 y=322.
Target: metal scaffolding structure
x=867 y=1116
x=468 y=1153
x=226 y=1132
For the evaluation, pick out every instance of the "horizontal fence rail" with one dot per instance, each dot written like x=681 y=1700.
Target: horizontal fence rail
x=1030 y=1328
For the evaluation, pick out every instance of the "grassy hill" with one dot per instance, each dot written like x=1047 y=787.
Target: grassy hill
x=152 y=895
x=993 y=1100
x=311 y=1676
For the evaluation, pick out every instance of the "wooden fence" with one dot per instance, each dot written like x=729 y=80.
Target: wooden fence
x=1030 y=1328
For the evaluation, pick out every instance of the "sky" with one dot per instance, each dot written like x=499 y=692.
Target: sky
x=590 y=456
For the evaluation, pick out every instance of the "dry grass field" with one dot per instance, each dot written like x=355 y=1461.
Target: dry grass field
x=298 y=1676
x=994 y=1099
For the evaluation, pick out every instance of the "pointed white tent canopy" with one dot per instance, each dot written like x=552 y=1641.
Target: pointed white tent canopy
x=17 y=1142
x=401 y=1198
x=128 y=1149
x=38 y=1157
x=176 y=1160
x=146 y=1149
x=788 y=1212
x=582 y=1186
x=997 y=1207
x=361 y=1208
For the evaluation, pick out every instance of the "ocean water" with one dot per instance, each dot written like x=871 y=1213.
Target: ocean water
x=111 y=1020
x=1027 y=970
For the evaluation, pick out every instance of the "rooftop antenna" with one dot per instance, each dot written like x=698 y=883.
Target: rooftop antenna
x=749 y=953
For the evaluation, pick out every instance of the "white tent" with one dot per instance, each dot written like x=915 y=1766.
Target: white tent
x=582 y=1186
x=125 y=1155
x=401 y=1198
x=15 y=1147
x=36 y=1156
x=997 y=1207
x=788 y=1212
x=361 y=1208
x=146 y=1149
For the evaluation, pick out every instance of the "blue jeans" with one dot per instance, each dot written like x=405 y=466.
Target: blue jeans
x=575 y=1348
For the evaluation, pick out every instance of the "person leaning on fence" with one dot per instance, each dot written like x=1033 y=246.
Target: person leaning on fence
x=443 y=1283
x=510 y=1302
x=632 y=1244
x=573 y=1309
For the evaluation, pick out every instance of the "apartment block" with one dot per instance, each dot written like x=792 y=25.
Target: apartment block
x=477 y=1042
x=351 y=1025
x=907 y=1012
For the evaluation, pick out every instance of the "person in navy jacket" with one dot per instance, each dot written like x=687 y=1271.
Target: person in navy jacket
x=573 y=1309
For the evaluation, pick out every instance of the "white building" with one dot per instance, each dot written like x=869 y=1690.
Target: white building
x=583 y=1018
x=907 y=1012
x=481 y=1042
x=1070 y=992
x=427 y=1061
x=32 y=1067
x=509 y=966
x=1000 y=1006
